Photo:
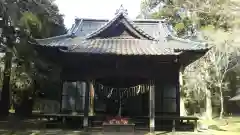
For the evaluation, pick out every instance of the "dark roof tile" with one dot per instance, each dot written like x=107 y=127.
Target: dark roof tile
x=158 y=39
x=122 y=47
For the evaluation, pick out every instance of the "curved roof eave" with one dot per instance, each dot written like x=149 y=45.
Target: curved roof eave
x=170 y=36
x=69 y=34
x=196 y=45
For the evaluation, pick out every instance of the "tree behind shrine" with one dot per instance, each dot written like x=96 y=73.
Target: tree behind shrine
x=40 y=19
x=188 y=18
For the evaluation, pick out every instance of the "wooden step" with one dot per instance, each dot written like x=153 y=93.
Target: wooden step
x=142 y=128
x=97 y=121
x=139 y=122
x=95 y=128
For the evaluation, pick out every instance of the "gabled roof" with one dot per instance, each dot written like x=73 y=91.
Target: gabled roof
x=137 y=37
x=112 y=25
x=85 y=26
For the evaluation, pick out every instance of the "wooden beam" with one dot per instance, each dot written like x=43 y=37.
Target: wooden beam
x=139 y=70
x=86 y=106
x=152 y=107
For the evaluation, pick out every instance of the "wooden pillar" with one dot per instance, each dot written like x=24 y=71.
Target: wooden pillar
x=195 y=125
x=152 y=107
x=86 y=106
x=92 y=94
x=61 y=96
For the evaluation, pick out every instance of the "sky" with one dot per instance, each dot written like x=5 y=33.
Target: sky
x=99 y=9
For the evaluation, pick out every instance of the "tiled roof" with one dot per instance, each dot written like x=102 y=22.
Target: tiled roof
x=58 y=41
x=85 y=26
x=184 y=45
x=120 y=47
x=158 y=39
x=128 y=46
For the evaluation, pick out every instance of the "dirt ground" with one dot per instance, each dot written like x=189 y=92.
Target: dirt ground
x=227 y=126
x=65 y=132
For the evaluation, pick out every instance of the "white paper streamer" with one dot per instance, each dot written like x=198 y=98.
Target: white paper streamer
x=117 y=93
x=110 y=94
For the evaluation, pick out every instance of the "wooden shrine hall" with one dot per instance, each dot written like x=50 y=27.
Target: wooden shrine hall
x=133 y=67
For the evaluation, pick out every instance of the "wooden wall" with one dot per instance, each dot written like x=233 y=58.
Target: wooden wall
x=166 y=75
x=166 y=99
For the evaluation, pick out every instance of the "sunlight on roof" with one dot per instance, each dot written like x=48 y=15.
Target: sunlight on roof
x=103 y=9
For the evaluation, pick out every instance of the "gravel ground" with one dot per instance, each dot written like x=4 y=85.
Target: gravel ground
x=67 y=132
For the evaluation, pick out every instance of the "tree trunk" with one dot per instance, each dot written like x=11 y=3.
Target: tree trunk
x=182 y=103
x=208 y=104
x=221 y=103
x=183 y=111
x=24 y=107
x=5 y=99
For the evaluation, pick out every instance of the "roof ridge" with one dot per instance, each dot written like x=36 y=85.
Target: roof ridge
x=120 y=39
x=103 y=27
x=92 y=19
x=138 y=29
x=109 y=23
x=134 y=20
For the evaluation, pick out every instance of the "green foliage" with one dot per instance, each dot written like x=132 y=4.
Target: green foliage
x=210 y=72
x=218 y=21
x=33 y=15
x=42 y=19
x=218 y=13
x=21 y=81
x=156 y=15
x=30 y=21
x=179 y=26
